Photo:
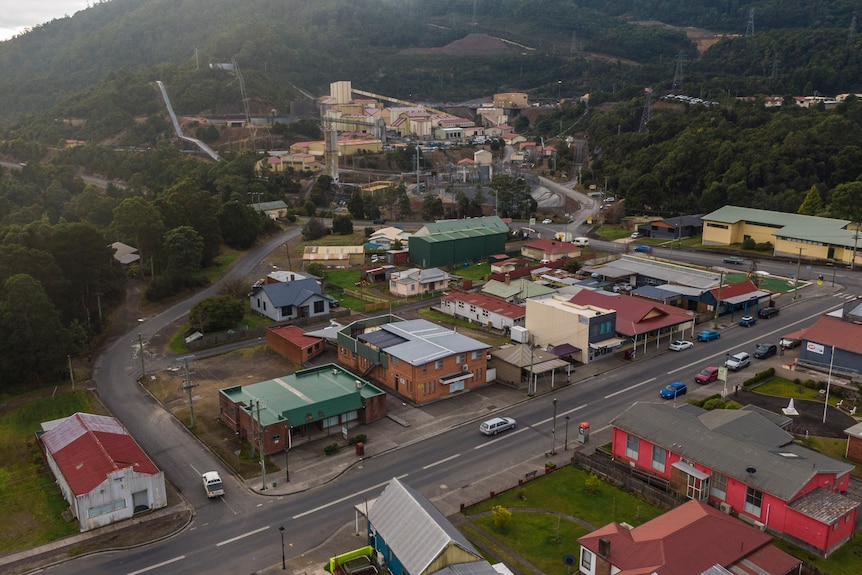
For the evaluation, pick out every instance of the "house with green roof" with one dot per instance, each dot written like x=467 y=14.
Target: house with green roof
x=458 y=241
x=795 y=235
x=517 y=290
x=304 y=404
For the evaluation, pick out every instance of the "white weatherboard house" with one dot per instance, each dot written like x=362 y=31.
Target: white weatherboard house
x=102 y=472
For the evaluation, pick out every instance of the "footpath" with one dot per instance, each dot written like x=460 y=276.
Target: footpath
x=405 y=425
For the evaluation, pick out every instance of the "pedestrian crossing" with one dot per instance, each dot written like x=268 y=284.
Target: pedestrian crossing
x=844 y=295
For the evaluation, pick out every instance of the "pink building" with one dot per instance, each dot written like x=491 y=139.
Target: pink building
x=745 y=463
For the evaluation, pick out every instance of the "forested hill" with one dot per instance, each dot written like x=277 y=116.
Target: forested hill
x=308 y=44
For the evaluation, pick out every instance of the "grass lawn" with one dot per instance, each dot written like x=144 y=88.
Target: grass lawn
x=491 y=338
x=781 y=285
x=32 y=508
x=780 y=387
x=345 y=279
x=845 y=561
x=473 y=272
x=613 y=232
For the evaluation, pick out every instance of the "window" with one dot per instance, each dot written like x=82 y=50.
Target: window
x=659 y=456
x=586 y=559
x=753 y=501
x=276 y=439
x=106 y=508
x=349 y=416
x=632 y=445
x=718 y=487
x=460 y=358
x=438 y=364
x=425 y=368
x=318 y=306
x=476 y=355
x=696 y=488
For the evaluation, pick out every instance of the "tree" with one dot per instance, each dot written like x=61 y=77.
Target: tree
x=186 y=204
x=316 y=269
x=502 y=517
x=34 y=341
x=240 y=225
x=313 y=230
x=432 y=208
x=342 y=225
x=812 y=205
x=216 y=313
x=356 y=206
x=184 y=247
x=846 y=201
x=138 y=223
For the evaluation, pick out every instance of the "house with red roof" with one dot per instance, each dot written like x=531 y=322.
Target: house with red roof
x=693 y=538
x=550 y=250
x=290 y=342
x=834 y=342
x=102 y=472
x=744 y=298
x=744 y=462
x=639 y=319
x=486 y=310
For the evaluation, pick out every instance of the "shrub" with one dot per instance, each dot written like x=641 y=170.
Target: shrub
x=592 y=484
x=502 y=517
x=714 y=403
x=764 y=247
x=748 y=244
x=331 y=449
x=760 y=376
x=361 y=438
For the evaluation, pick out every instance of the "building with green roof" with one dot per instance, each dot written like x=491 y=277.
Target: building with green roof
x=458 y=241
x=309 y=402
x=793 y=235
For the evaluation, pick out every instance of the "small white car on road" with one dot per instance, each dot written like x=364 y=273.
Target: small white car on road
x=496 y=425
x=681 y=345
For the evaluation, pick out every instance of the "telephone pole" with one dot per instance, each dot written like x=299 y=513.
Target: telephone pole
x=187 y=387
x=260 y=446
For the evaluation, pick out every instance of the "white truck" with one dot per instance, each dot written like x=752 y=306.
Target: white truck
x=213 y=484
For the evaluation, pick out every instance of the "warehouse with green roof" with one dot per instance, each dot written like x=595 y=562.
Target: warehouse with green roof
x=458 y=241
x=312 y=402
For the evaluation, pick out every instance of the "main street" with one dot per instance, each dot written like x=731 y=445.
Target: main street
x=239 y=534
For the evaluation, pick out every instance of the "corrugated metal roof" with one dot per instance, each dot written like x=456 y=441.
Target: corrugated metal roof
x=88 y=447
x=293 y=293
x=467 y=227
x=820 y=231
x=426 y=341
x=308 y=395
x=824 y=506
x=520 y=288
x=415 y=530
x=665 y=271
x=730 y=448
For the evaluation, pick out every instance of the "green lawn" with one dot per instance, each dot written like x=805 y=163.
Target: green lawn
x=472 y=272
x=771 y=283
x=32 y=504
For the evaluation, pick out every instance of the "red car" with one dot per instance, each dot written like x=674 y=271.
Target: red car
x=706 y=375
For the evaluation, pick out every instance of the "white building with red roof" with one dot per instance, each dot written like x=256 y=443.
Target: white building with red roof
x=486 y=310
x=550 y=250
x=102 y=472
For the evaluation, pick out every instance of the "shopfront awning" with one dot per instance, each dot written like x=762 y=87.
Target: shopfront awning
x=549 y=365
x=612 y=342
x=454 y=377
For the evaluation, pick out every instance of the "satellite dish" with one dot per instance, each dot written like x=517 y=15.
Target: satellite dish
x=569 y=559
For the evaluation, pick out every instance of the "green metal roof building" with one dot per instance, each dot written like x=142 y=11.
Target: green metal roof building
x=308 y=402
x=457 y=241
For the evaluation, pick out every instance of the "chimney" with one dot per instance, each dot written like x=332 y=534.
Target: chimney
x=292 y=277
x=507 y=279
x=604 y=547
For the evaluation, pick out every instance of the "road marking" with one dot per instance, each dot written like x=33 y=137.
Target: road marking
x=495 y=440
x=162 y=564
x=337 y=501
x=243 y=536
x=629 y=388
x=430 y=465
x=561 y=414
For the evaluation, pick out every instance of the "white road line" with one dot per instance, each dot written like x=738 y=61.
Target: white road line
x=243 y=536
x=337 y=501
x=629 y=388
x=450 y=458
x=493 y=441
x=561 y=414
x=162 y=564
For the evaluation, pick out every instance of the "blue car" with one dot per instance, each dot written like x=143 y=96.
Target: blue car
x=672 y=390
x=643 y=249
x=748 y=321
x=708 y=335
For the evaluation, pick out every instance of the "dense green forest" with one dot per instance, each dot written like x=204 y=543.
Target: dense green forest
x=90 y=78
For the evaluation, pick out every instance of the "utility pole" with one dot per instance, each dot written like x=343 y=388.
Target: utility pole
x=71 y=373
x=796 y=279
x=187 y=387
x=554 y=429
x=260 y=447
x=855 y=243
x=718 y=301
x=141 y=351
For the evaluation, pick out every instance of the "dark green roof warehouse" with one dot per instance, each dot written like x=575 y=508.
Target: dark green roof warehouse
x=455 y=241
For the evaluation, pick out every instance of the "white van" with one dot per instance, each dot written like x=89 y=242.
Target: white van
x=581 y=242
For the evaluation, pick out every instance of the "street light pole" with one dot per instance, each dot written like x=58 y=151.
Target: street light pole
x=283 y=564
x=554 y=429
x=566 y=446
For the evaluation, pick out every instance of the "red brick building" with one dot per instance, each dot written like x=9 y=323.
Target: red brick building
x=290 y=342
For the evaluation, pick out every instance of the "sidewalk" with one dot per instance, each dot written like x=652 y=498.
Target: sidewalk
x=309 y=467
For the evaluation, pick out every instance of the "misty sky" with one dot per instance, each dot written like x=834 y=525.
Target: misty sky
x=18 y=15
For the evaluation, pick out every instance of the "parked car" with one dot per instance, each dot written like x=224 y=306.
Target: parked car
x=736 y=260
x=496 y=425
x=747 y=321
x=737 y=361
x=621 y=287
x=706 y=375
x=636 y=235
x=681 y=345
x=789 y=342
x=643 y=249
x=767 y=312
x=708 y=335
x=379 y=222
x=764 y=350
x=547 y=221
x=671 y=390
